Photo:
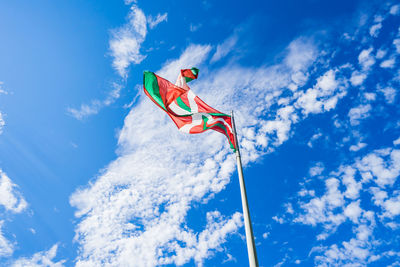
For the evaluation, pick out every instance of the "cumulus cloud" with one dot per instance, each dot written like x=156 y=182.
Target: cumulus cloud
x=96 y=105
x=126 y=41
x=340 y=202
x=324 y=95
x=384 y=165
x=349 y=208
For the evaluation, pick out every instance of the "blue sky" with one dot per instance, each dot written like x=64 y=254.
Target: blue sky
x=92 y=173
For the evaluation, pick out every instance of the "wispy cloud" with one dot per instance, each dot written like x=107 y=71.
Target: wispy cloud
x=95 y=106
x=359 y=113
x=225 y=48
x=126 y=41
x=194 y=27
x=153 y=22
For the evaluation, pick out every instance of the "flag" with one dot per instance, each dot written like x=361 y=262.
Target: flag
x=188 y=111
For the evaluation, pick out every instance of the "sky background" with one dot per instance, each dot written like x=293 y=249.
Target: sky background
x=92 y=173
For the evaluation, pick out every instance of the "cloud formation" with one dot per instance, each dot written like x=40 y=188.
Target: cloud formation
x=126 y=41
x=96 y=105
x=12 y=201
x=43 y=258
x=340 y=203
x=153 y=22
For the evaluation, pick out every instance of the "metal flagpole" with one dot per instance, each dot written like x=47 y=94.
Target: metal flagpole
x=251 y=248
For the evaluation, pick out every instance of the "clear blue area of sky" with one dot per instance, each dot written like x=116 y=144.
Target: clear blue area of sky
x=55 y=55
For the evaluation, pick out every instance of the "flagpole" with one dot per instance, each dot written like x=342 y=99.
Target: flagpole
x=251 y=248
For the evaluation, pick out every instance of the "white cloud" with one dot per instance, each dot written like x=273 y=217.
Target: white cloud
x=395 y=9
x=321 y=210
x=396 y=43
x=348 y=179
x=40 y=259
x=153 y=22
x=12 y=201
x=317 y=169
x=359 y=113
x=396 y=142
x=381 y=53
x=96 y=105
x=392 y=205
x=353 y=211
x=341 y=202
x=10 y=198
x=225 y=48
x=369 y=96
x=324 y=95
x=384 y=165
x=389 y=94
x=313 y=139
x=357 y=78
x=357 y=147
x=6 y=248
x=388 y=63
x=126 y=41
x=365 y=59
x=375 y=29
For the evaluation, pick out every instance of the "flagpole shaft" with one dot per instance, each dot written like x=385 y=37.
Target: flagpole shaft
x=251 y=248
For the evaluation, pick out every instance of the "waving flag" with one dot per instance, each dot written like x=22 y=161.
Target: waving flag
x=189 y=112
